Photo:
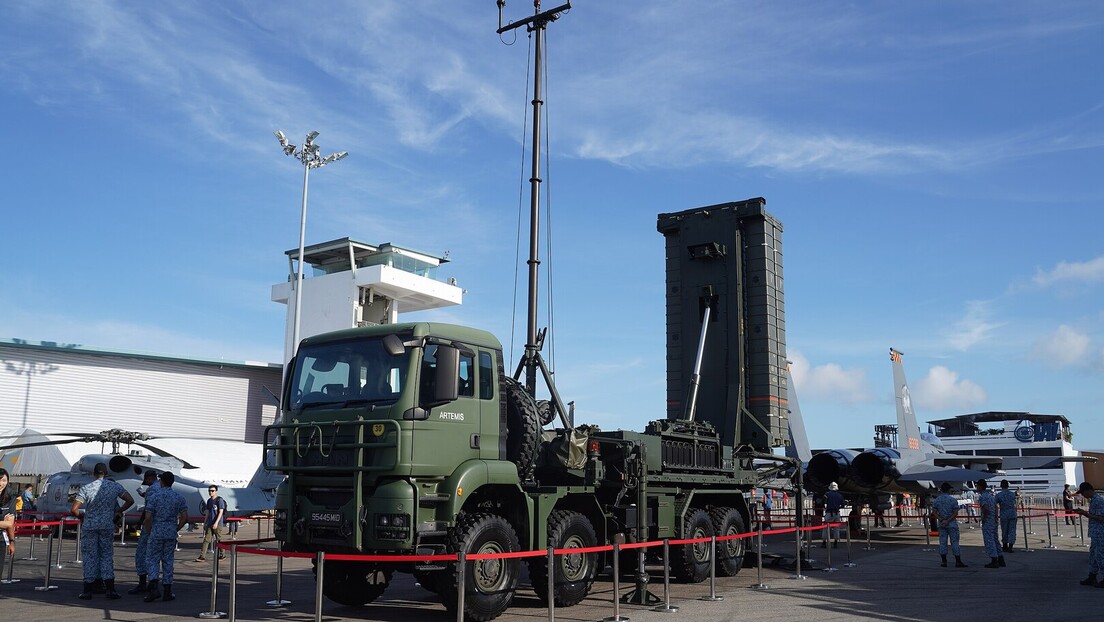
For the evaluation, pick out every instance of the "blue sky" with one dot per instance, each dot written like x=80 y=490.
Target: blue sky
x=937 y=167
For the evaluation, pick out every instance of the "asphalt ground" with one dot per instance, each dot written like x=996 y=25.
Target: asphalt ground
x=896 y=579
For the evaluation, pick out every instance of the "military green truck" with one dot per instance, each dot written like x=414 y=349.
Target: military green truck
x=412 y=439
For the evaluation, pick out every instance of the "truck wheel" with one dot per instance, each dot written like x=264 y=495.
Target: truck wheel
x=489 y=584
x=730 y=553
x=574 y=573
x=546 y=411
x=523 y=429
x=353 y=583
x=690 y=562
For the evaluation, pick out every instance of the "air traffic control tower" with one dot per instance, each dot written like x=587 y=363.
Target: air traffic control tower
x=347 y=284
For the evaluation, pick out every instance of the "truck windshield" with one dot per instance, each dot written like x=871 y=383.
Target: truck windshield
x=347 y=372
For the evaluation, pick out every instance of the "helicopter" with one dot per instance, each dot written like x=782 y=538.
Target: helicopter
x=128 y=468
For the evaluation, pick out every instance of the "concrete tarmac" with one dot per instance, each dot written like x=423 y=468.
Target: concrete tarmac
x=896 y=580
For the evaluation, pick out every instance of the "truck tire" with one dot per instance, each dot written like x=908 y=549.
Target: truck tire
x=546 y=411
x=353 y=584
x=523 y=428
x=730 y=553
x=690 y=562
x=489 y=584
x=574 y=573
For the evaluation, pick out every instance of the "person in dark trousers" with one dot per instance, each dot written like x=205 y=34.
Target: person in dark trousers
x=7 y=519
x=768 y=505
x=166 y=515
x=898 y=507
x=833 y=504
x=1067 y=504
x=97 y=505
x=215 y=514
x=945 y=509
x=1095 y=514
x=987 y=503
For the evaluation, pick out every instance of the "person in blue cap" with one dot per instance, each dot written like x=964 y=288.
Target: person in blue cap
x=97 y=505
x=946 y=514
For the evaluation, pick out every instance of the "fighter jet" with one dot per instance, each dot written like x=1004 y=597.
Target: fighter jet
x=918 y=465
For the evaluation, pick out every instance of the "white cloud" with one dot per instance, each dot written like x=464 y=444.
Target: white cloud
x=974 y=327
x=1091 y=271
x=941 y=389
x=828 y=381
x=1062 y=348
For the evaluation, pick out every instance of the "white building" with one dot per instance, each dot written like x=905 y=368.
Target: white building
x=1009 y=434
x=350 y=284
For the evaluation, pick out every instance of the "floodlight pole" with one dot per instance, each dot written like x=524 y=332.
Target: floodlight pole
x=532 y=360
x=310 y=156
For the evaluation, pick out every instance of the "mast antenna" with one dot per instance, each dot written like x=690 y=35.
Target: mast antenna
x=532 y=361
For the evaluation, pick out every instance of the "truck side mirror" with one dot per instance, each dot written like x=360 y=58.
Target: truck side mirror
x=447 y=387
x=285 y=391
x=393 y=345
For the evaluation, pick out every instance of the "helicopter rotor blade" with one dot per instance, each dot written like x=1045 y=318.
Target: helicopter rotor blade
x=39 y=444
x=165 y=454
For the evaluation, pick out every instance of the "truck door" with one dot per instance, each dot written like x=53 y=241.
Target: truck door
x=449 y=435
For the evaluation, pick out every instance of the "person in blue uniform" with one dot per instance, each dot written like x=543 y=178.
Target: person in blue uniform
x=97 y=505
x=987 y=504
x=166 y=515
x=945 y=508
x=148 y=488
x=1006 y=514
x=1095 y=514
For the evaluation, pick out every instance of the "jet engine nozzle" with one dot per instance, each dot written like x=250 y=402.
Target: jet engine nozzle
x=876 y=468
x=830 y=466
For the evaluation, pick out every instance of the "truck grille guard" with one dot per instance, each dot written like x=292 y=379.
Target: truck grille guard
x=358 y=442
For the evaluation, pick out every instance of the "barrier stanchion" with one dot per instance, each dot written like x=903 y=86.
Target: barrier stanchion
x=233 y=608
x=462 y=583
x=1050 y=536
x=279 y=601
x=122 y=533
x=797 y=559
x=616 y=617
x=666 y=606
x=77 y=559
x=849 y=564
x=1081 y=527
x=759 y=585
x=1027 y=548
x=212 y=613
x=46 y=587
x=868 y=546
x=712 y=572
x=828 y=547
x=319 y=581
x=30 y=548
x=61 y=541
x=551 y=584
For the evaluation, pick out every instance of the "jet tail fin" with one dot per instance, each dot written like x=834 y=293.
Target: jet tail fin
x=908 y=430
x=799 y=439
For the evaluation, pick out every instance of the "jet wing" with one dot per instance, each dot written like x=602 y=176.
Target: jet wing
x=956 y=460
x=932 y=473
x=1042 y=462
